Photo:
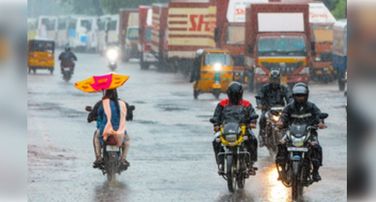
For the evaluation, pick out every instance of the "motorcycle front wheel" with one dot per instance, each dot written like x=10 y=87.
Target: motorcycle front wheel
x=231 y=176
x=297 y=187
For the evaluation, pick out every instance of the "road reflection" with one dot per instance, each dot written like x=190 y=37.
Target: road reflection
x=277 y=191
x=114 y=191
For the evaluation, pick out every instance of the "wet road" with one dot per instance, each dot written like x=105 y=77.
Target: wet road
x=171 y=155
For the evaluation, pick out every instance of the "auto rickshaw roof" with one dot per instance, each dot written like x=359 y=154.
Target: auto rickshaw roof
x=213 y=50
x=41 y=40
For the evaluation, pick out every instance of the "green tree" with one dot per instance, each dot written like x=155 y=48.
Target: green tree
x=340 y=10
x=113 y=6
x=89 y=7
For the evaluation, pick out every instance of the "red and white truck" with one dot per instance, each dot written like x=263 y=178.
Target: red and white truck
x=145 y=36
x=128 y=33
x=180 y=28
x=159 y=28
x=230 y=30
x=278 y=36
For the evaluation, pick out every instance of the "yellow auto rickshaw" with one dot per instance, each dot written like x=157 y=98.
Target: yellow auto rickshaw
x=215 y=72
x=41 y=55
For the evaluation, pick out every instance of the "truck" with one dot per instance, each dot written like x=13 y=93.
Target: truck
x=321 y=21
x=128 y=33
x=340 y=51
x=190 y=26
x=158 y=36
x=145 y=36
x=277 y=37
x=230 y=30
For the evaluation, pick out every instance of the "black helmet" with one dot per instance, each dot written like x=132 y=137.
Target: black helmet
x=275 y=78
x=299 y=90
x=67 y=48
x=235 y=93
x=275 y=75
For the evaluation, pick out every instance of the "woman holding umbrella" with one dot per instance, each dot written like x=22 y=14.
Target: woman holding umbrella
x=115 y=110
x=110 y=114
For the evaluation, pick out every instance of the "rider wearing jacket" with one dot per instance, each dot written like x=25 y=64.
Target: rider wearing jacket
x=271 y=94
x=67 y=59
x=302 y=111
x=235 y=109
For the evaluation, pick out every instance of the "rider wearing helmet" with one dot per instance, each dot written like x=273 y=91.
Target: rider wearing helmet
x=195 y=74
x=67 y=58
x=302 y=111
x=271 y=94
x=235 y=108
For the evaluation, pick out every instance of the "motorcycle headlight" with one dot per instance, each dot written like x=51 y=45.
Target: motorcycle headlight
x=297 y=141
x=217 y=67
x=275 y=118
x=317 y=59
x=231 y=138
x=112 y=54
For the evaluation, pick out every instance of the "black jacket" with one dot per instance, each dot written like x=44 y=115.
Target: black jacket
x=270 y=96
x=225 y=112
x=67 y=58
x=293 y=113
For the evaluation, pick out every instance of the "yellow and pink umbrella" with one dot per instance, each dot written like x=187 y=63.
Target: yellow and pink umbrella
x=101 y=82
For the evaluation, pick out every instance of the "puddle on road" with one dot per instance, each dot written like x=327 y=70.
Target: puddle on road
x=171 y=107
x=179 y=94
x=66 y=112
x=139 y=102
x=148 y=122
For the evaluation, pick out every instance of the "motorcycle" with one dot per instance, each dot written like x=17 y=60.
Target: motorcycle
x=67 y=72
x=298 y=169
x=112 y=55
x=111 y=152
x=272 y=132
x=236 y=157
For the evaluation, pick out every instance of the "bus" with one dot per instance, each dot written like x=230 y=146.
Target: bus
x=82 y=33
x=62 y=31
x=47 y=27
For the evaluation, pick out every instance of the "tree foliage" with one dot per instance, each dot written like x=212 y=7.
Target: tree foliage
x=340 y=9
x=99 y=7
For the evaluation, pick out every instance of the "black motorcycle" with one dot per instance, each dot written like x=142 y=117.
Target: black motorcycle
x=298 y=169
x=67 y=72
x=272 y=133
x=111 y=153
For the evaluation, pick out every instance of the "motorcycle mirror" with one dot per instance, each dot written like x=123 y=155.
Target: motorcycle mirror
x=323 y=115
x=212 y=120
x=253 y=117
x=132 y=107
x=88 y=108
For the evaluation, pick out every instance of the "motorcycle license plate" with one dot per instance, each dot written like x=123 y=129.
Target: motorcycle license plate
x=66 y=69
x=297 y=149
x=112 y=148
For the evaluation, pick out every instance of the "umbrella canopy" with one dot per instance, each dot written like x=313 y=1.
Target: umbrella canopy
x=101 y=82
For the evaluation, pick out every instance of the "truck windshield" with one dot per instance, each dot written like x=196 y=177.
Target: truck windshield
x=111 y=26
x=213 y=58
x=132 y=33
x=281 y=46
x=86 y=24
